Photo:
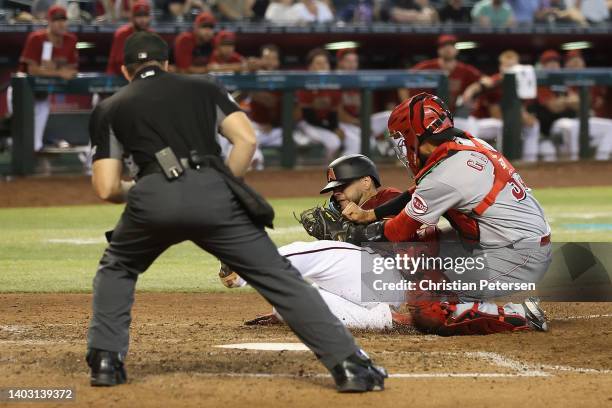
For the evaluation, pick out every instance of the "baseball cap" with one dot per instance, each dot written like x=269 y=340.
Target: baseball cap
x=143 y=46
x=141 y=8
x=343 y=52
x=225 y=37
x=56 y=12
x=205 y=19
x=446 y=39
x=549 y=55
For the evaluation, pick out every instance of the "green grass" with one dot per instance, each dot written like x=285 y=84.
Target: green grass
x=33 y=258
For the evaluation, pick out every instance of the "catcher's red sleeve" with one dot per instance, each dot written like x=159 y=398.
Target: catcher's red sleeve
x=402 y=228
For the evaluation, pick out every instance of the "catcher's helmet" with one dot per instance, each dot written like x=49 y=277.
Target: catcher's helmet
x=422 y=117
x=347 y=168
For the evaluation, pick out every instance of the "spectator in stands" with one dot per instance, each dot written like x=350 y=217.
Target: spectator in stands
x=311 y=11
x=235 y=10
x=40 y=8
x=485 y=121
x=192 y=49
x=224 y=58
x=51 y=52
x=594 y=11
x=524 y=10
x=77 y=14
x=350 y=108
x=361 y=11
x=600 y=124
x=180 y=10
x=413 y=12
x=21 y=12
x=265 y=106
x=319 y=110
x=454 y=12
x=113 y=10
x=493 y=13
x=140 y=21
x=281 y=12
x=556 y=11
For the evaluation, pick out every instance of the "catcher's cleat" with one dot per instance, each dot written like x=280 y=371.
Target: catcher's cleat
x=265 y=320
x=357 y=373
x=106 y=368
x=535 y=316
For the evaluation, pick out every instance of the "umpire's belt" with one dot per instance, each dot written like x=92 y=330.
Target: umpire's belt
x=153 y=168
x=260 y=211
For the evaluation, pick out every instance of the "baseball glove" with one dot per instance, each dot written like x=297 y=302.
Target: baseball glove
x=323 y=223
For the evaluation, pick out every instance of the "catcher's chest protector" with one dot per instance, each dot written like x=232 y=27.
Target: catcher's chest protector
x=503 y=171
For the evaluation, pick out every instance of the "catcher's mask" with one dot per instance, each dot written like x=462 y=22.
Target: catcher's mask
x=420 y=118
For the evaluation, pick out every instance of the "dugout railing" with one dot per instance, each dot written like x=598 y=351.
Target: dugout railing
x=582 y=79
x=22 y=155
x=23 y=159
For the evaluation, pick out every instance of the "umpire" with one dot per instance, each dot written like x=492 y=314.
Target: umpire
x=163 y=127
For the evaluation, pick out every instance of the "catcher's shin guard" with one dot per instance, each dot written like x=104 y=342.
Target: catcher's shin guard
x=106 y=368
x=357 y=373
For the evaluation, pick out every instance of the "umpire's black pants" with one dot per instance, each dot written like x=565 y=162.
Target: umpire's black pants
x=199 y=207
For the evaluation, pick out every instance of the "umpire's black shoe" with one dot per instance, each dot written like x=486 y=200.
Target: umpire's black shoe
x=106 y=368
x=357 y=373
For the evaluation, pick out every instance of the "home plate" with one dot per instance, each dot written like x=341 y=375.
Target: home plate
x=267 y=346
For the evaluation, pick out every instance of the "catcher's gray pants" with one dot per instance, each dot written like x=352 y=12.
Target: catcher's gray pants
x=199 y=207
x=524 y=262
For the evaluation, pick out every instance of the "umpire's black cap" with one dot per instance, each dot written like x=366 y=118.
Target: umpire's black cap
x=347 y=168
x=143 y=46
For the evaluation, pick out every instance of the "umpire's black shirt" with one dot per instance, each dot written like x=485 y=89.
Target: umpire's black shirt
x=156 y=110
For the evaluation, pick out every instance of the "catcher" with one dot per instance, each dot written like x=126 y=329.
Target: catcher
x=485 y=200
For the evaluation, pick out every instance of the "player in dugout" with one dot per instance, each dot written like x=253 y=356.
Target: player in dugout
x=140 y=20
x=193 y=49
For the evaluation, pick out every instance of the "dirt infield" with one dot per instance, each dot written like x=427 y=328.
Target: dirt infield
x=173 y=360
x=76 y=190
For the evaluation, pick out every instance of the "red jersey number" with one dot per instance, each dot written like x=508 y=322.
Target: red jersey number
x=519 y=189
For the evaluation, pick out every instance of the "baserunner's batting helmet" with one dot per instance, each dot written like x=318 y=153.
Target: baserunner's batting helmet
x=347 y=168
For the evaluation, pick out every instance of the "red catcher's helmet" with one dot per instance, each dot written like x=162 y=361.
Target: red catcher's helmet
x=422 y=117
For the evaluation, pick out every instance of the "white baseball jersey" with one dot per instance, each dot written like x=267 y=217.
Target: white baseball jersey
x=336 y=268
x=461 y=181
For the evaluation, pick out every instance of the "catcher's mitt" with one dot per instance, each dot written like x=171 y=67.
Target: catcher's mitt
x=323 y=223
